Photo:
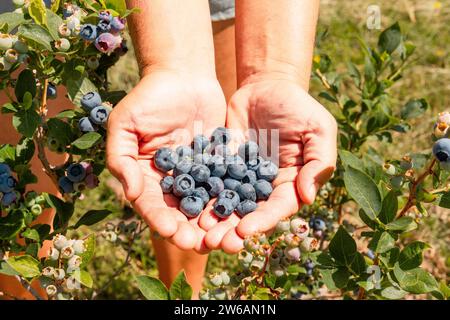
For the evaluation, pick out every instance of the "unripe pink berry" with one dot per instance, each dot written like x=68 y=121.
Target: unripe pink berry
x=299 y=227
x=292 y=253
x=309 y=244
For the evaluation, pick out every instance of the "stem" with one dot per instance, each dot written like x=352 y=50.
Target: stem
x=327 y=85
x=415 y=183
x=28 y=287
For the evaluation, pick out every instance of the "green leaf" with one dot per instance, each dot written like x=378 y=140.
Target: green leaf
x=37 y=11
x=6 y=269
x=389 y=207
x=349 y=159
x=88 y=254
x=390 y=257
x=411 y=256
x=26 y=122
x=9 y=108
x=393 y=293
x=31 y=234
x=416 y=280
x=92 y=217
x=55 y=5
x=27 y=100
x=25 y=83
x=117 y=5
x=36 y=36
x=359 y=264
x=363 y=190
x=342 y=247
x=402 y=224
x=152 y=288
x=26 y=266
x=340 y=277
x=11 y=224
x=382 y=242
x=414 y=109
x=180 y=289
x=327 y=96
x=25 y=150
x=64 y=210
x=87 y=140
x=12 y=19
x=60 y=130
x=77 y=88
x=390 y=39
x=84 y=278
x=7 y=153
x=54 y=21
x=444 y=200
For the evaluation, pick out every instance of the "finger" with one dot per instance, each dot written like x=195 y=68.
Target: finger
x=232 y=242
x=208 y=219
x=283 y=202
x=121 y=156
x=215 y=235
x=311 y=177
x=185 y=236
x=200 y=246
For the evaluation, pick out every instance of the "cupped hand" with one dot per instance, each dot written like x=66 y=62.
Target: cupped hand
x=307 y=155
x=148 y=118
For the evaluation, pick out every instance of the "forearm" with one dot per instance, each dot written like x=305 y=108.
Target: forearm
x=275 y=38
x=173 y=34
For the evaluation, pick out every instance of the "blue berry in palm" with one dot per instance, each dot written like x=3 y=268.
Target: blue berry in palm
x=165 y=159
x=183 y=167
x=184 y=152
x=8 y=198
x=183 y=185
x=234 y=159
x=7 y=183
x=51 y=91
x=88 y=32
x=200 y=173
x=200 y=143
x=441 y=149
x=250 y=177
x=220 y=135
x=191 y=206
x=76 y=172
x=90 y=100
x=214 y=186
x=237 y=170
x=99 y=115
x=65 y=185
x=201 y=193
x=253 y=164
x=166 y=184
x=267 y=170
x=223 y=207
x=246 y=191
x=245 y=207
x=230 y=194
x=202 y=158
x=231 y=184
x=86 y=125
x=319 y=224
x=217 y=166
x=263 y=189
x=221 y=150
x=249 y=150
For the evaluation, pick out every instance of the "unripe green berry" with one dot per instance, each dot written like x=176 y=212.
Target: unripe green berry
x=216 y=280
x=59 y=274
x=283 y=225
x=51 y=290
x=309 y=244
x=277 y=271
x=256 y=265
x=225 y=278
x=53 y=254
x=204 y=295
x=219 y=294
x=36 y=210
x=389 y=169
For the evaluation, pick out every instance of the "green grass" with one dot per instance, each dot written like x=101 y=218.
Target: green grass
x=429 y=77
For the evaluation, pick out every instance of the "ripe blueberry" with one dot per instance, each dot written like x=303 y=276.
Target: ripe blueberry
x=51 y=91
x=183 y=167
x=441 y=149
x=8 y=198
x=117 y=24
x=199 y=143
x=7 y=183
x=166 y=184
x=201 y=193
x=250 y=177
x=245 y=207
x=253 y=164
x=76 y=172
x=223 y=207
x=200 y=172
x=191 y=206
x=4 y=168
x=221 y=150
x=246 y=192
x=85 y=125
x=231 y=184
x=214 y=186
x=249 y=150
x=103 y=26
x=237 y=170
x=165 y=159
x=99 y=115
x=88 y=32
x=184 y=152
x=65 y=185
x=220 y=136
x=319 y=224
x=217 y=166
x=183 y=185
x=230 y=194
x=90 y=100
x=202 y=158
x=267 y=170
x=263 y=189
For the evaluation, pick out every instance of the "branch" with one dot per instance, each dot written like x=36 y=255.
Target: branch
x=29 y=288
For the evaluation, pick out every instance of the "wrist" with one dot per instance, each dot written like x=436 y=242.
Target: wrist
x=179 y=67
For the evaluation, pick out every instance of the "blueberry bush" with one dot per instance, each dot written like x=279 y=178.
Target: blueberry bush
x=355 y=242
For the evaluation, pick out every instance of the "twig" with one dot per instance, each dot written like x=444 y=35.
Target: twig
x=327 y=85
x=29 y=288
x=413 y=191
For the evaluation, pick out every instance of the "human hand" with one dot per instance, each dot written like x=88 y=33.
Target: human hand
x=147 y=119
x=307 y=155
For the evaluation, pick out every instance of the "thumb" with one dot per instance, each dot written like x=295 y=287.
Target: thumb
x=121 y=158
x=311 y=177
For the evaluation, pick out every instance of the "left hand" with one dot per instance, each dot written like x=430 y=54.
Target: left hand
x=307 y=155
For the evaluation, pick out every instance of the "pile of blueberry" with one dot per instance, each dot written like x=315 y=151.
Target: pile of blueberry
x=7 y=185
x=106 y=34
x=98 y=112
x=79 y=176
x=206 y=169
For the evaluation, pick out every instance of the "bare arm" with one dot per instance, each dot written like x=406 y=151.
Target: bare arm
x=275 y=37
x=173 y=34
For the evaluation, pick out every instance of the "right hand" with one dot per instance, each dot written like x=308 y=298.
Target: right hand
x=145 y=121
